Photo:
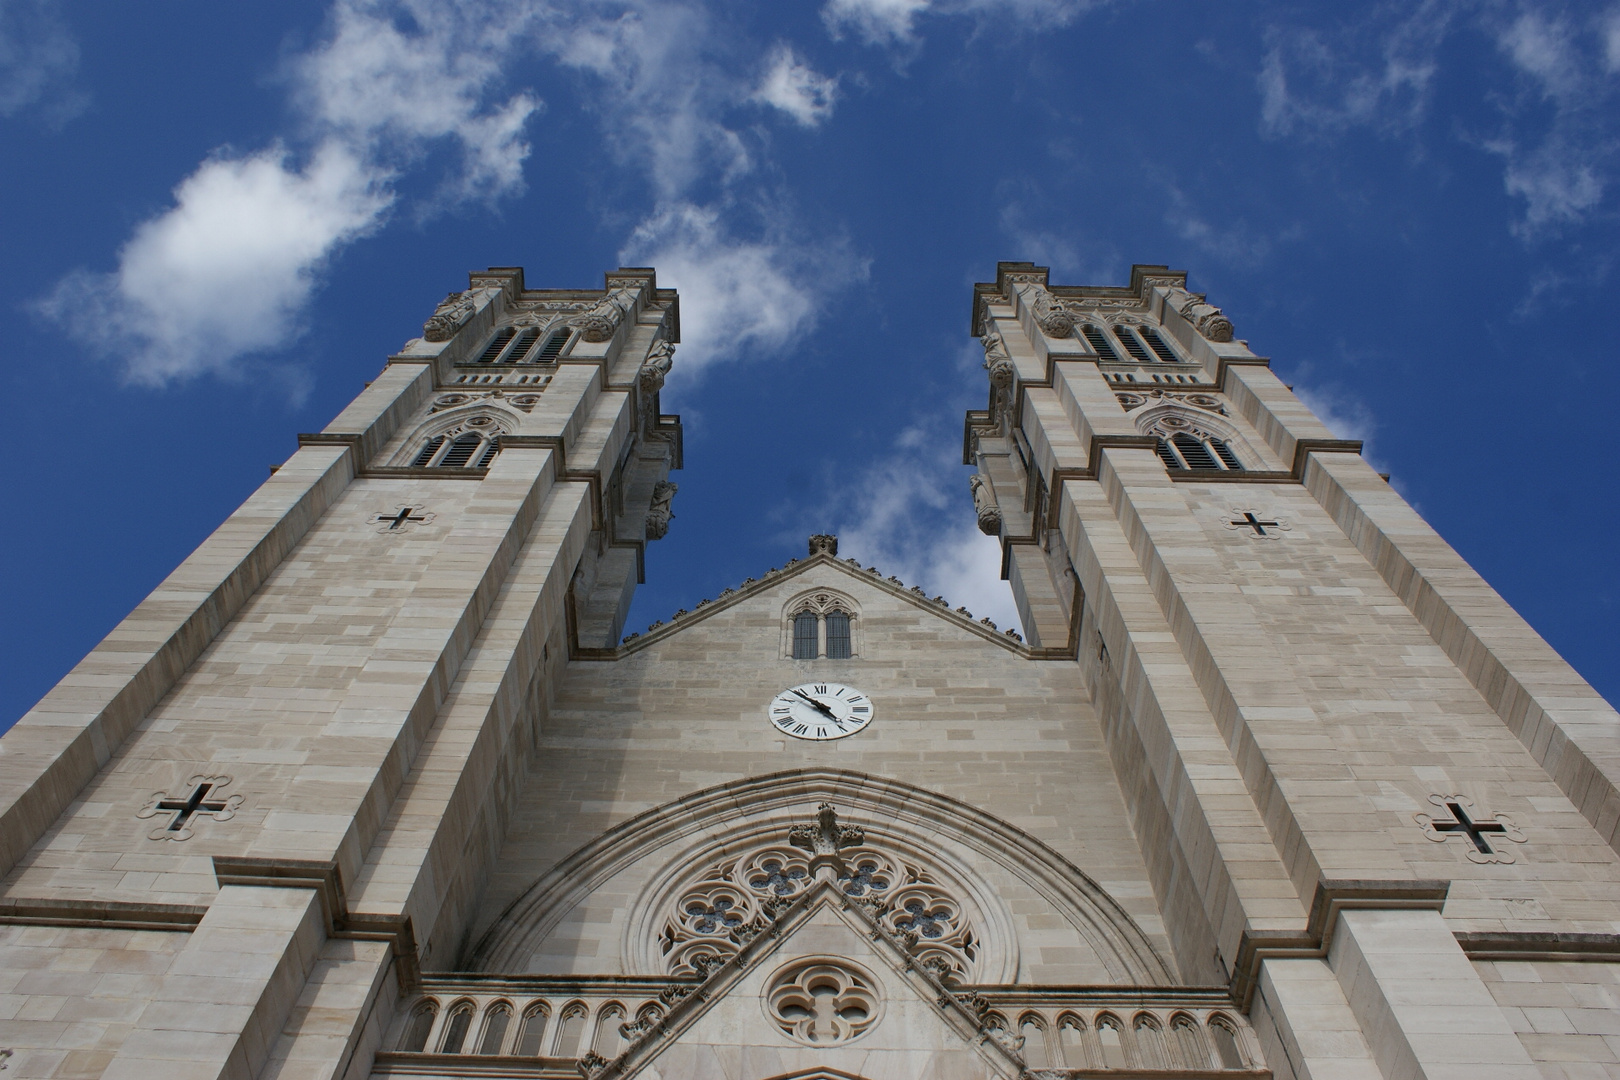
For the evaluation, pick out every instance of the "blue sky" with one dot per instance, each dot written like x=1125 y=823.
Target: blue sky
x=218 y=219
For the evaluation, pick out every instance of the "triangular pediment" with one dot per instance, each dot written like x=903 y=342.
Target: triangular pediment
x=858 y=580
x=735 y=1023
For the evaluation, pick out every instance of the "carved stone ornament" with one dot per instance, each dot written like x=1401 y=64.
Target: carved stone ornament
x=822 y=1001
x=659 y=514
x=1053 y=318
x=824 y=544
x=653 y=370
x=602 y=321
x=827 y=835
x=448 y=317
x=1482 y=836
x=200 y=797
x=1256 y=525
x=984 y=502
x=1205 y=317
x=1132 y=400
x=996 y=359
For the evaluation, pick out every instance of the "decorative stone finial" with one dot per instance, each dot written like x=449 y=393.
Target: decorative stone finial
x=823 y=543
x=824 y=839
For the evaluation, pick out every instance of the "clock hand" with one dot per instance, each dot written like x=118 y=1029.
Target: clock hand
x=814 y=704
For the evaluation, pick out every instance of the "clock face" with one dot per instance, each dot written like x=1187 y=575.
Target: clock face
x=820 y=711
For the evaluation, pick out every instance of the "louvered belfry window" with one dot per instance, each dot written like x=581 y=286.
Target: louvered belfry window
x=804 y=636
x=1160 y=348
x=475 y=449
x=497 y=345
x=1185 y=451
x=461 y=451
x=1133 y=344
x=1099 y=342
x=837 y=636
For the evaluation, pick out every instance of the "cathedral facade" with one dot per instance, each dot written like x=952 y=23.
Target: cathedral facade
x=377 y=783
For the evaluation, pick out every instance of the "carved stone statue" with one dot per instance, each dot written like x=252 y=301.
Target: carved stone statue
x=984 y=501
x=448 y=317
x=823 y=542
x=600 y=323
x=1206 y=318
x=996 y=359
x=659 y=514
x=655 y=367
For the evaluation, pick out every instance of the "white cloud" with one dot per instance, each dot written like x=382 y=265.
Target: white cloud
x=228 y=269
x=878 y=22
x=1309 y=87
x=737 y=294
x=796 y=88
x=38 y=62
x=1541 y=48
x=388 y=92
x=1377 y=73
x=1346 y=416
x=893 y=22
x=912 y=518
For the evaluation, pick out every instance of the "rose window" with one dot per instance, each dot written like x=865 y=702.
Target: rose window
x=822 y=1002
x=709 y=920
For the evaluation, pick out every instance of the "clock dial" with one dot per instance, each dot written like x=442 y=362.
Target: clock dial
x=820 y=711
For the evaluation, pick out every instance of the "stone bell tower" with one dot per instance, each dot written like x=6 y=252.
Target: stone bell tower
x=250 y=816
x=1372 y=801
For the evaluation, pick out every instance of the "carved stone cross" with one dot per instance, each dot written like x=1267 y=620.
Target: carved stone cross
x=185 y=809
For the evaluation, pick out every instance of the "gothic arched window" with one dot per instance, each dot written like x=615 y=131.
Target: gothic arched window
x=1160 y=348
x=1133 y=344
x=455 y=1028
x=838 y=635
x=473 y=445
x=496 y=1021
x=419 y=1027
x=821 y=625
x=805 y=645
x=1200 y=454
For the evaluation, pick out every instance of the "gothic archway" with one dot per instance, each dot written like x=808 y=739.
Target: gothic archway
x=731 y=819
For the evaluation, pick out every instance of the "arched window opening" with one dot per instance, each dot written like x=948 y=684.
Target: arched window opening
x=838 y=643
x=609 y=1042
x=532 y=1035
x=804 y=636
x=497 y=345
x=1111 y=1036
x=1159 y=346
x=1184 y=451
x=455 y=1028
x=418 y=1027
x=1189 y=1042
x=569 y=1033
x=496 y=1021
x=1133 y=344
x=1035 y=1052
x=491 y=448
x=1224 y=1036
x=1150 y=1044
x=1099 y=343
x=1071 y=1042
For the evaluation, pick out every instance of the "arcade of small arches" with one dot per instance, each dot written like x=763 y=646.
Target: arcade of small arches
x=520 y=1026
